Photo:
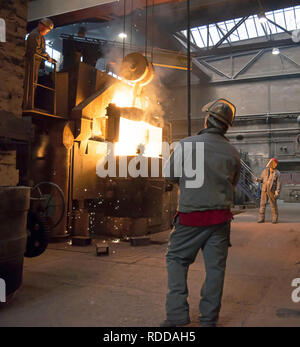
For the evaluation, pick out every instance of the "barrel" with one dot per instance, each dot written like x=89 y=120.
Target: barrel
x=14 y=205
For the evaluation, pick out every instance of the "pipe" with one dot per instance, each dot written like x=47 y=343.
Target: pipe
x=262 y=131
x=189 y=67
x=240 y=117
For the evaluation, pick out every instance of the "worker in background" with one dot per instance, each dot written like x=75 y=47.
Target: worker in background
x=77 y=49
x=73 y=50
x=90 y=52
x=203 y=218
x=35 y=55
x=270 y=179
x=82 y=32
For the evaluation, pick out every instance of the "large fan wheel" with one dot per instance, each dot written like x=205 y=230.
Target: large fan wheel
x=48 y=201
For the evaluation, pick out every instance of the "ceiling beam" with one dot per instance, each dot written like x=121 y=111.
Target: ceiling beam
x=279 y=26
x=225 y=37
x=50 y=8
x=170 y=13
x=68 y=12
x=214 y=11
x=242 y=48
x=184 y=39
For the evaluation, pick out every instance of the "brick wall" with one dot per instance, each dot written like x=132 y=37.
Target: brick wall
x=14 y=12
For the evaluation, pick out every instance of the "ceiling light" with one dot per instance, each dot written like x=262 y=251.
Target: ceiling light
x=275 y=51
x=122 y=35
x=262 y=18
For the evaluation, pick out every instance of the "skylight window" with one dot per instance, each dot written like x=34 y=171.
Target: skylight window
x=285 y=19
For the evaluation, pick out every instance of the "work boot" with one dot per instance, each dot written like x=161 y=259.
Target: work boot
x=205 y=322
x=274 y=215
x=169 y=323
x=207 y=325
x=261 y=219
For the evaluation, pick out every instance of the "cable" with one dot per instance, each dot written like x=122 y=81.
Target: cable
x=131 y=22
x=146 y=28
x=188 y=66
x=152 y=34
x=124 y=28
x=260 y=6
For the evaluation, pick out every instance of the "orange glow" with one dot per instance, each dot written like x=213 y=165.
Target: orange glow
x=124 y=97
x=99 y=126
x=132 y=134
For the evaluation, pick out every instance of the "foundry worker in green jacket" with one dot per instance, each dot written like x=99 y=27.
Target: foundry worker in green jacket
x=204 y=214
x=35 y=55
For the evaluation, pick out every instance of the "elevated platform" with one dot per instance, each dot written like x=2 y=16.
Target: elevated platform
x=44 y=113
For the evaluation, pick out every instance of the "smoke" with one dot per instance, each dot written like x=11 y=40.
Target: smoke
x=113 y=57
x=158 y=99
x=158 y=95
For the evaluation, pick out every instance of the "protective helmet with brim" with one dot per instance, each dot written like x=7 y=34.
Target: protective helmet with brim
x=47 y=22
x=221 y=109
x=273 y=162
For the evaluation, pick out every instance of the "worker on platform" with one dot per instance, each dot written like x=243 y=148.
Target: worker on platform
x=82 y=32
x=35 y=55
x=77 y=47
x=203 y=218
x=270 y=179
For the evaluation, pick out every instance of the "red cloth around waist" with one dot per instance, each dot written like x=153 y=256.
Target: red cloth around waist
x=204 y=218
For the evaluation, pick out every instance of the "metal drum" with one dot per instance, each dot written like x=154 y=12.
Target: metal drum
x=135 y=68
x=14 y=205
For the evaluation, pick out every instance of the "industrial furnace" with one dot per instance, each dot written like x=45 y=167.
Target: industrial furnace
x=100 y=114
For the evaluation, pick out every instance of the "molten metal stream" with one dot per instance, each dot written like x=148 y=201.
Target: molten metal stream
x=133 y=134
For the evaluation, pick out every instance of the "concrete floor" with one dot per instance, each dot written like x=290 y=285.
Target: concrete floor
x=70 y=286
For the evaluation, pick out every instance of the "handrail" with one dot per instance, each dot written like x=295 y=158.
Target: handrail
x=34 y=84
x=248 y=168
x=248 y=183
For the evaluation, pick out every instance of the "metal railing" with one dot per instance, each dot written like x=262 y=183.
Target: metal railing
x=248 y=184
x=34 y=83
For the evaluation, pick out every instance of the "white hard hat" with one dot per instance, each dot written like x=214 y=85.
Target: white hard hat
x=47 y=23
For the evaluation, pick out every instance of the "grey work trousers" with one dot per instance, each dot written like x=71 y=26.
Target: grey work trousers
x=185 y=243
x=31 y=77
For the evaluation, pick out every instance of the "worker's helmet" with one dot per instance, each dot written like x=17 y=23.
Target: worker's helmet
x=272 y=163
x=222 y=110
x=82 y=30
x=47 y=23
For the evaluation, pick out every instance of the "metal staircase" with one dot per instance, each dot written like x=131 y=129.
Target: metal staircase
x=248 y=185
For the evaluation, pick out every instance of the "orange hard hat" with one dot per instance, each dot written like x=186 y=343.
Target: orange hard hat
x=273 y=162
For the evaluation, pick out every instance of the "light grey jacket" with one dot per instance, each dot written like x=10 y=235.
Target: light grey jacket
x=221 y=172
